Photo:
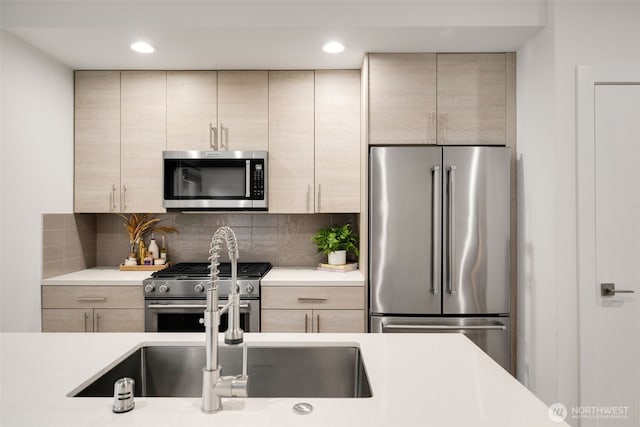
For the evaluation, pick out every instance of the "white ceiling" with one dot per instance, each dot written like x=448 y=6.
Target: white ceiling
x=264 y=34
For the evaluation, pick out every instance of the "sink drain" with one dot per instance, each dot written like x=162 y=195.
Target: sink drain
x=303 y=408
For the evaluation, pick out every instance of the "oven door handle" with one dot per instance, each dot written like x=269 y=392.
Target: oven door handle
x=201 y=306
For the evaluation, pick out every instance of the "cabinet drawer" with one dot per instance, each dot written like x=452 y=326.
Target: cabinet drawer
x=313 y=297
x=92 y=296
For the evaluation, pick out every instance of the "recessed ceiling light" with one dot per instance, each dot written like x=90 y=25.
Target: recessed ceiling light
x=333 y=47
x=142 y=47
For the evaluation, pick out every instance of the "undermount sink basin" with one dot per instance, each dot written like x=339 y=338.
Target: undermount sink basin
x=274 y=371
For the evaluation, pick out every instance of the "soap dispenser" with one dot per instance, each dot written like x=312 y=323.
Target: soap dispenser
x=153 y=248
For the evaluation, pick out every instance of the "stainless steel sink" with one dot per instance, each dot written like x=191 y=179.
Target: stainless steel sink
x=293 y=371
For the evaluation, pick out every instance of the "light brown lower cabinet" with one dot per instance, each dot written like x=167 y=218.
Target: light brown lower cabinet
x=92 y=309
x=312 y=321
x=312 y=309
x=92 y=320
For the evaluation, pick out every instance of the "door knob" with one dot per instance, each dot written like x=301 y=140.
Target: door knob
x=609 y=290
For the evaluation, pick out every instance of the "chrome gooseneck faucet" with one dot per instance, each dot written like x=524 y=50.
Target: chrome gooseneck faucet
x=214 y=386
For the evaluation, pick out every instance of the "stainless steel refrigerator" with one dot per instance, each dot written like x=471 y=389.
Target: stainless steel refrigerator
x=439 y=233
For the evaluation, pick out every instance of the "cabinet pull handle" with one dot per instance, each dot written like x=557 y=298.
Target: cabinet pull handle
x=98 y=322
x=213 y=142
x=86 y=317
x=211 y=128
x=224 y=141
x=308 y=198
x=306 y=328
x=311 y=299
x=124 y=198
x=113 y=198
x=91 y=299
x=318 y=322
x=433 y=126
x=318 y=202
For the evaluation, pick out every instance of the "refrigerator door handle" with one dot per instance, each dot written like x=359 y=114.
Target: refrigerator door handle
x=493 y=327
x=452 y=230
x=435 y=236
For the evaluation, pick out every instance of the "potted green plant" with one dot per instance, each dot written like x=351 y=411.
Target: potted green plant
x=335 y=242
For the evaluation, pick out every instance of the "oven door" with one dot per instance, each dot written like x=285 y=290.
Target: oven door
x=187 y=315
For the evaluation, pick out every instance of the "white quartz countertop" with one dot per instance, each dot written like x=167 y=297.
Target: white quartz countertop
x=277 y=276
x=285 y=276
x=416 y=380
x=100 y=276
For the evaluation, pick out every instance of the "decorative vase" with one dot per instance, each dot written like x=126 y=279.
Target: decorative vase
x=338 y=257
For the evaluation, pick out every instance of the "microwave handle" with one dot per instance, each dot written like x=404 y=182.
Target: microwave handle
x=247 y=181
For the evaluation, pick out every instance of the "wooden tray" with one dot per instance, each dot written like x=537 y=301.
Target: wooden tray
x=342 y=268
x=144 y=267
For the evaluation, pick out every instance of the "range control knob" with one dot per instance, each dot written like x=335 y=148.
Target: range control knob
x=163 y=288
x=249 y=288
x=149 y=288
x=199 y=288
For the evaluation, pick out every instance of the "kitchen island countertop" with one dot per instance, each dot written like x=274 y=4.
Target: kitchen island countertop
x=416 y=380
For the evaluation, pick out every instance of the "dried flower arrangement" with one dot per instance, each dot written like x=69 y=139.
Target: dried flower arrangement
x=138 y=225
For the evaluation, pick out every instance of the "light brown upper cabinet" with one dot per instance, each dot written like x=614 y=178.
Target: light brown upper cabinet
x=337 y=141
x=97 y=141
x=402 y=98
x=120 y=132
x=192 y=109
x=291 y=142
x=472 y=99
x=143 y=138
x=448 y=99
x=227 y=109
x=243 y=110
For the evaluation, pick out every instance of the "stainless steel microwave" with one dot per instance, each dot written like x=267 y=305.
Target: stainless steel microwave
x=215 y=180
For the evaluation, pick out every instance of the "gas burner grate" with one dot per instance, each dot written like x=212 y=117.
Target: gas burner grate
x=201 y=269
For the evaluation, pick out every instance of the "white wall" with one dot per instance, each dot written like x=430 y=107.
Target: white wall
x=36 y=172
x=536 y=165
x=578 y=33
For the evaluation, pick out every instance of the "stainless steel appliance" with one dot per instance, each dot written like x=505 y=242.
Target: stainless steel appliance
x=175 y=297
x=215 y=180
x=439 y=224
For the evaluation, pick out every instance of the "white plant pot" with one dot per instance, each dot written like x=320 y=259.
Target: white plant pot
x=338 y=258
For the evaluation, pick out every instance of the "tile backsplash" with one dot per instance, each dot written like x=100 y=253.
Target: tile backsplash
x=282 y=240
x=68 y=243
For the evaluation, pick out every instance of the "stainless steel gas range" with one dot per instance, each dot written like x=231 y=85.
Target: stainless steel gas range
x=175 y=297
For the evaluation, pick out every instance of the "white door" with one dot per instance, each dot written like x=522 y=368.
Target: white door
x=610 y=325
